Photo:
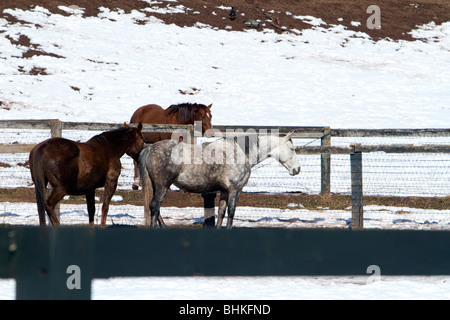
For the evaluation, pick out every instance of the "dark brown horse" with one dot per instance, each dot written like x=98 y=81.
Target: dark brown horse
x=185 y=113
x=76 y=168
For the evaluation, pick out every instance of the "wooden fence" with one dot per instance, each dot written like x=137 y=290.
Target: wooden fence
x=325 y=135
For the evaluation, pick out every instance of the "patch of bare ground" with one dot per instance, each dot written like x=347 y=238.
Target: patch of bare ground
x=398 y=17
x=260 y=200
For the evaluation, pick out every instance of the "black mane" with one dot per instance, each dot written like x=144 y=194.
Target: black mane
x=111 y=136
x=185 y=111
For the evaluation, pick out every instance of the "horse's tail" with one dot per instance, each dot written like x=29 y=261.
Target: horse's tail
x=146 y=182
x=40 y=182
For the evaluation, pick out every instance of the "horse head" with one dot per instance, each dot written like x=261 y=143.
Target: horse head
x=136 y=141
x=203 y=113
x=284 y=152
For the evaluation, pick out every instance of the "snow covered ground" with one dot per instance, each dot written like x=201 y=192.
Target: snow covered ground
x=264 y=288
x=294 y=216
x=103 y=68
x=248 y=288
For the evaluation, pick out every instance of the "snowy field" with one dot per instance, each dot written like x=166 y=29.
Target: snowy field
x=104 y=68
x=375 y=217
x=264 y=288
x=107 y=67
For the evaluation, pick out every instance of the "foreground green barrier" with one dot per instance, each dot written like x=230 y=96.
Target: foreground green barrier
x=60 y=263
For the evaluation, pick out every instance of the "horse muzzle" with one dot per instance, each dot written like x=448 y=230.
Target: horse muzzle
x=294 y=171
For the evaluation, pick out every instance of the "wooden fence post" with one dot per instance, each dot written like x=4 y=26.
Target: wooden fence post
x=197 y=131
x=357 y=188
x=44 y=261
x=56 y=128
x=191 y=135
x=325 y=163
x=56 y=132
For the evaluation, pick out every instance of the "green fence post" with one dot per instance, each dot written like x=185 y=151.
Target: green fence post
x=54 y=263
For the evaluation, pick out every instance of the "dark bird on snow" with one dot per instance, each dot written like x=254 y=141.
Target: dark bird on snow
x=232 y=14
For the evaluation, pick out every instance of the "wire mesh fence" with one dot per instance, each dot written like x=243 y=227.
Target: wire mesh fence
x=395 y=174
x=404 y=174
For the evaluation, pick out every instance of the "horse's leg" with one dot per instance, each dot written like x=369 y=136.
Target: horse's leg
x=155 y=206
x=232 y=202
x=56 y=196
x=136 y=182
x=161 y=221
x=222 y=208
x=110 y=188
x=151 y=211
x=154 y=212
x=90 y=200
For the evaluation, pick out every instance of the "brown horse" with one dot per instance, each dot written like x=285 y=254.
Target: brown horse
x=185 y=113
x=76 y=168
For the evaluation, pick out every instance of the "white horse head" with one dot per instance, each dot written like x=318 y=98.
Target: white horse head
x=284 y=151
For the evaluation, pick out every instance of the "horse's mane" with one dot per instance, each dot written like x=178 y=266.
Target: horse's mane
x=110 y=136
x=184 y=111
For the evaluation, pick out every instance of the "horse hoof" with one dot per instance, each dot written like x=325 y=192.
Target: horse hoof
x=135 y=187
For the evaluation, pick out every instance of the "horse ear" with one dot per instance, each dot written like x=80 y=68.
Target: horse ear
x=126 y=125
x=209 y=107
x=289 y=135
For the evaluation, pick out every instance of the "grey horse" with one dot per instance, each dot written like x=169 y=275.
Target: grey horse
x=223 y=165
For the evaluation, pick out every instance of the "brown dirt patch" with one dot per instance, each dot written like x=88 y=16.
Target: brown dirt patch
x=260 y=200
x=398 y=17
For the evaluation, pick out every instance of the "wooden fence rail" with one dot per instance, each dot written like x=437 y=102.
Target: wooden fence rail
x=56 y=127
x=90 y=126
x=390 y=133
